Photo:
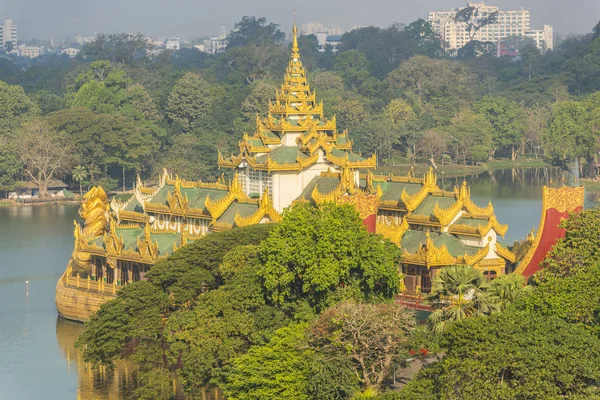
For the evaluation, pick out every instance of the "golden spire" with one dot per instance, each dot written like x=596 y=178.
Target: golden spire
x=295 y=49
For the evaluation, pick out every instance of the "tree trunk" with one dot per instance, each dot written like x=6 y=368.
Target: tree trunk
x=80 y=190
x=123 y=178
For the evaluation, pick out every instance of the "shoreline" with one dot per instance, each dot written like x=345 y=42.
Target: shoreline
x=12 y=202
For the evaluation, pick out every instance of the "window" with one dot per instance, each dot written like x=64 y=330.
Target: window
x=254 y=182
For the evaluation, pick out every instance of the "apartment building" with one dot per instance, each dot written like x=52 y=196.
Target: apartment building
x=8 y=33
x=509 y=23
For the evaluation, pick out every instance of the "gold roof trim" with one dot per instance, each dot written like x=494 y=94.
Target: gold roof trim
x=505 y=253
x=265 y=209
x=392 y=230
x=218 y=207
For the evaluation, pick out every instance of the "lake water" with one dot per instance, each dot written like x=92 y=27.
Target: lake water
x=37 y=356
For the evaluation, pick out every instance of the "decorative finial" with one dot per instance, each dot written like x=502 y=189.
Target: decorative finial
x=295 y=49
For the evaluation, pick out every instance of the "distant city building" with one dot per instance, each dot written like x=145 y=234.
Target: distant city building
x=70 y=51
x=155 y=43
x=326 y=35
x=8 y=33
x=509 y=23
x=200 y=47
x=314 y=28
x=84 y=39
x=30 y=51
x=173 y=44
x=217 y=44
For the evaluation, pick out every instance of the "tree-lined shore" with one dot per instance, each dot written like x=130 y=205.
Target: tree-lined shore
x=114 y=112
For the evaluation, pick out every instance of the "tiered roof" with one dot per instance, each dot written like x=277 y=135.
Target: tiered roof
x=223 y=205
x=431 y=224
x=295 y=111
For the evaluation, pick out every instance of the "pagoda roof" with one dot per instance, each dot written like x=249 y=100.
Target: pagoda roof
x=325 y=184
x=244 y=210
x=295 y=111
x=413 y=240
x=428 y=205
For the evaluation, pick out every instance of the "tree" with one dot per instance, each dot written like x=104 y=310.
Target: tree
x=107 y=144
x=574 y=298
x=469 y=136
x=507 y=120
x=474 y=19
x=507 y=289
x=427 y=78
x=15 y=107
x=118 y=48
x=512 y=355
x=352 y=66
x=43 y=151
x=223 y=324
x=433 y=144
x=257 y=102
x=105 y=89
x=191 y=156
x=373 y=336
x=251 y=30
x=133 y=320
x=323 y=254
x=190 y=101
x=577 y=251
x=399 y=111
x=10 y=164
x=79 y=175
x=277 y=370
x=458 y=292
x=569 y=135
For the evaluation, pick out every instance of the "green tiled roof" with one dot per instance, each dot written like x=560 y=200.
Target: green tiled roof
x=165 y=241
x=245 y=210
x=412 y=239
x=282 y=155
x=134 y=205
x=351 y=156
x=325 y=185
x=130 y=236
x=471 y=221
x=342 y=140
x=426 y=207
x=393 y=190
x=256 y=142
x=196 y=196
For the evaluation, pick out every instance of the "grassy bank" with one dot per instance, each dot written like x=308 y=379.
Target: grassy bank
x=591 y=186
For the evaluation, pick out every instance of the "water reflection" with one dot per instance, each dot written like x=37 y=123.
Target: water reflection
x=101 y=383
x=93 y=383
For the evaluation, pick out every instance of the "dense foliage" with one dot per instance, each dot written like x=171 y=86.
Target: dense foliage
x=207 y=306
x=512 y=355
x=396 y=89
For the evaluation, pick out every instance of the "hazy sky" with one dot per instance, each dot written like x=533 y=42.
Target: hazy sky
x=192 y=18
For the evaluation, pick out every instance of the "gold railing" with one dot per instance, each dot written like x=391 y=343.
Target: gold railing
x=91 y=285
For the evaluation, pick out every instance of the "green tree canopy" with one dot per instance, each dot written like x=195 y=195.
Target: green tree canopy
x=512 y=355
x=325 y=253
x=15 y=107
x=277 y=370
x=190 y=102
x=507 y=120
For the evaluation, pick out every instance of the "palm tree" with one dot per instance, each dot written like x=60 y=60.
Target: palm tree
x=79 y=174
x=506 y=289
x=459 y=292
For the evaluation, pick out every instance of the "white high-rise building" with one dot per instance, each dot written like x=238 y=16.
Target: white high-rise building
x=313 y=28
x=8 y=33
x=509 y=23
